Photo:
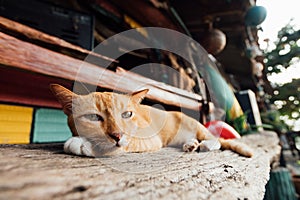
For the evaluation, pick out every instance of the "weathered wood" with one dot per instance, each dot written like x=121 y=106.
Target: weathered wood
x=150 y=15
x=130 y=75
x=45 y=172
x=46 y=40
x=18 y=54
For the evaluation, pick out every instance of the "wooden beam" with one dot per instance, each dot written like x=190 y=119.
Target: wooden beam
x=34 y=36
x=146 y=14
x=19 y=54
x=130 y=75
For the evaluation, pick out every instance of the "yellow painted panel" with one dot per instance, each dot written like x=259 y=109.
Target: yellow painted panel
x=14 y=138
x=15 y=124
x=15 y=113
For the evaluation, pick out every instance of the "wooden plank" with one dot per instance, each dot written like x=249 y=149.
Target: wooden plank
x=18 y=54
x=46 y=40
x=148 y=16
x=166 y=174
x=130 y=75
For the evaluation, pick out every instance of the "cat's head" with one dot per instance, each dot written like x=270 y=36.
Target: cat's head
x=102 y=117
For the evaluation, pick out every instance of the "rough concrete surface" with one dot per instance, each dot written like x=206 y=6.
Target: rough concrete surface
x=43 y=171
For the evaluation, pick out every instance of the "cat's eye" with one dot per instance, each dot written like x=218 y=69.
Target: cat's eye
x=126 y=114
x=94 y=117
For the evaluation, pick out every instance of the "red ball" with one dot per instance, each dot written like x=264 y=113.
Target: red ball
x=222 y=129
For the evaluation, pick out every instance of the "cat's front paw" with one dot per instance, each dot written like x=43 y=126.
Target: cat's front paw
x=191 y=145
x=78 y=146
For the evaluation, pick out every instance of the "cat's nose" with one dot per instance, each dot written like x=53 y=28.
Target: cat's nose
x=116 y=136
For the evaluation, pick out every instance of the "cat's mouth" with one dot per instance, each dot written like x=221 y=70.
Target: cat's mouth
x=122 y=142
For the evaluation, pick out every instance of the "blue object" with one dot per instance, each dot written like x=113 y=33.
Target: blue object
x=255 y=15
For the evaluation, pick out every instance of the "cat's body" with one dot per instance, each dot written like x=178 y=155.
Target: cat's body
x=105 y=123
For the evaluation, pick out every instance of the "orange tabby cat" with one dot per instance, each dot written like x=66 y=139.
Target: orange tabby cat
x=104 y=122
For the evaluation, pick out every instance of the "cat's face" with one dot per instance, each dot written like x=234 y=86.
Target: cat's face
x=106 y=119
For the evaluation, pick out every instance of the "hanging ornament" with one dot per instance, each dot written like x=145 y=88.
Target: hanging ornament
x=255 y=16
x=213 y=40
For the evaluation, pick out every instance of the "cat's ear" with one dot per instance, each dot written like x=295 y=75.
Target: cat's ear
x=138 y=96
x=64 y=97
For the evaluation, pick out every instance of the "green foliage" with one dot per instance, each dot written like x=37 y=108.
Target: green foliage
x=287 y=48
x=240 y=124
x=272 y=118
x=286 y=97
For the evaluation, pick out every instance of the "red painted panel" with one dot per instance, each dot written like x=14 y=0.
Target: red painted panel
x=22 y=87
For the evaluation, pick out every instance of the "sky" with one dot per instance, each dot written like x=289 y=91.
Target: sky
x=279 y=13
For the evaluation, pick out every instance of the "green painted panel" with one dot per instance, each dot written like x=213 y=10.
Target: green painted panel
x=220 y=88
x=50 y=125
